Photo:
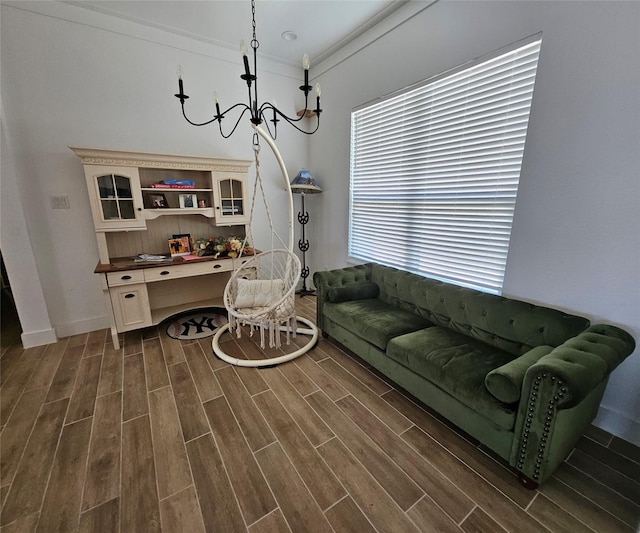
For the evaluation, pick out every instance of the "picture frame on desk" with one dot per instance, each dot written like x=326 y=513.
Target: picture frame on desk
x=180 y=246
x=156 y=200
x=182 y=236
x=188 y=201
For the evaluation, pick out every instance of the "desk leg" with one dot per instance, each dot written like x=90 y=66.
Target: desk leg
x=115 y=337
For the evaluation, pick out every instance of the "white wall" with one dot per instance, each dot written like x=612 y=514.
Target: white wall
x=18 y=255
x=72 y=77
x=576 y=236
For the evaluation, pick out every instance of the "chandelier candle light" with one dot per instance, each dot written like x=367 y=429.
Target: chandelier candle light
x=258 y=114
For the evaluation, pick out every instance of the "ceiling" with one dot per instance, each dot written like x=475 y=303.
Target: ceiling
x=322 y=26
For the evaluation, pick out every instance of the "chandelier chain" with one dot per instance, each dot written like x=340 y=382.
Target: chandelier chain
x=254 y=41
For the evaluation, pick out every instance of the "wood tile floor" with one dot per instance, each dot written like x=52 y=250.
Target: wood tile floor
x=161 y=435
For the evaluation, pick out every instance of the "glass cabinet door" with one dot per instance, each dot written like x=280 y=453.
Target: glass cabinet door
x=232 y=201
x=230 y=196
x=116 y=197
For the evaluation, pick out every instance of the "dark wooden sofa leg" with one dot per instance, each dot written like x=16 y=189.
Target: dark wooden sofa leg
x=527 y=483
x=325 y=335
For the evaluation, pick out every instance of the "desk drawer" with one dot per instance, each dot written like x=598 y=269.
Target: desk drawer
x=239 y=261
x=125 y=278
x=186 y=270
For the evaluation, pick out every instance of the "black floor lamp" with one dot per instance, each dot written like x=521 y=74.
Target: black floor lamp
x=304 y=183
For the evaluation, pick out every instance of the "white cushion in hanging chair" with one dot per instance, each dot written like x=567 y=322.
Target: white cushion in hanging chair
x=258 y=292
x=261 y=294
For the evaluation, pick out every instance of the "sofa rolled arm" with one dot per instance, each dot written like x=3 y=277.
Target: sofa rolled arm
x=561 y=394
x=324 y=280
x=583 y=362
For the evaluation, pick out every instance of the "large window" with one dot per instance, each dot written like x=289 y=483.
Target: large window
x=435 y=170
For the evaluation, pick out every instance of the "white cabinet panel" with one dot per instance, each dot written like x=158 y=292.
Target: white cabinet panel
x=130 y=306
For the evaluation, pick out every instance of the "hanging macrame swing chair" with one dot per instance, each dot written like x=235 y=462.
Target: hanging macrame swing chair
x=260 y=294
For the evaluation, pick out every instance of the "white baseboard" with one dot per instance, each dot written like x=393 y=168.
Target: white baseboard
x=82 y=326
x=38 y=338
x=618 y=424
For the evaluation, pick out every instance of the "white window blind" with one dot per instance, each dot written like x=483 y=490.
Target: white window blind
x=435 y=170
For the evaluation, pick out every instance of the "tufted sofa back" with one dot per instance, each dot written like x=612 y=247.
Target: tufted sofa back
x=510 y=325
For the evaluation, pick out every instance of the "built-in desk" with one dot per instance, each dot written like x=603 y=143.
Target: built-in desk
x=144 y=294
x=141 y=200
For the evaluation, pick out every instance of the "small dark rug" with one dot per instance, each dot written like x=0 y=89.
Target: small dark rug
x=196 y=324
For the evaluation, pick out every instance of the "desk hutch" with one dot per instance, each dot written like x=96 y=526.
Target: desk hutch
x=122 y=187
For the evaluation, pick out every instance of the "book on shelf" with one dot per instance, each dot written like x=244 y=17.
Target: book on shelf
x=172 y=186
x=178 y=182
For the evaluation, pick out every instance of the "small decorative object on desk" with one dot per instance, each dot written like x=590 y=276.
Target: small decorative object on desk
x=188 y=201
x=143 y=258
x=222 y=247
x=155 y=200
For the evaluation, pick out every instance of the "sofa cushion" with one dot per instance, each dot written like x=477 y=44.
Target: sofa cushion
x=505 y=382
x=373 y=320
x=356 y=291
x=457 y=364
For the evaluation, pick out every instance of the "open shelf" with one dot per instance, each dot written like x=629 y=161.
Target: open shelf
x=174 y=189
x=155 y=213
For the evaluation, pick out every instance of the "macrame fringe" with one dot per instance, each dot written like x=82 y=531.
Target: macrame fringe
x=270 y=325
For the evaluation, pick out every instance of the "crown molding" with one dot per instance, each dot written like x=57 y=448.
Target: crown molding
x=83 y=13
x=389 y=23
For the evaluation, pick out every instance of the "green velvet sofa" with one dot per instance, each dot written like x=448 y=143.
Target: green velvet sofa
x=524 y=380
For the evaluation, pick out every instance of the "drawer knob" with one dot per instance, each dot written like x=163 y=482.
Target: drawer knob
x=126 y=277
x=164 y=273
x=217 y=266
x=130 y=295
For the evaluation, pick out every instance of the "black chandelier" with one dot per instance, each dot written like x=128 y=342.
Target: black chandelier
x=258 y=114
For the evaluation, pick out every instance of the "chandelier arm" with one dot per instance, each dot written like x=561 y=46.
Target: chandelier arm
x=289 y=120
x=239 y=104
x=236 y=124
x=216 y=117
x=267 y=105
x=274 y=133
x=292 y=123
x=304 y=111
x=184 y=114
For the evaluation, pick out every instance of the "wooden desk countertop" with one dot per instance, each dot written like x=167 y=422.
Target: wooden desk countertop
x=128 y=263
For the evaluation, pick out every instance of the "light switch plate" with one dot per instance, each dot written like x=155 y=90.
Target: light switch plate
x=59 y=202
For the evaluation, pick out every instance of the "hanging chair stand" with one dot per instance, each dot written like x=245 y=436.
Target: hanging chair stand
x=272 y=272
